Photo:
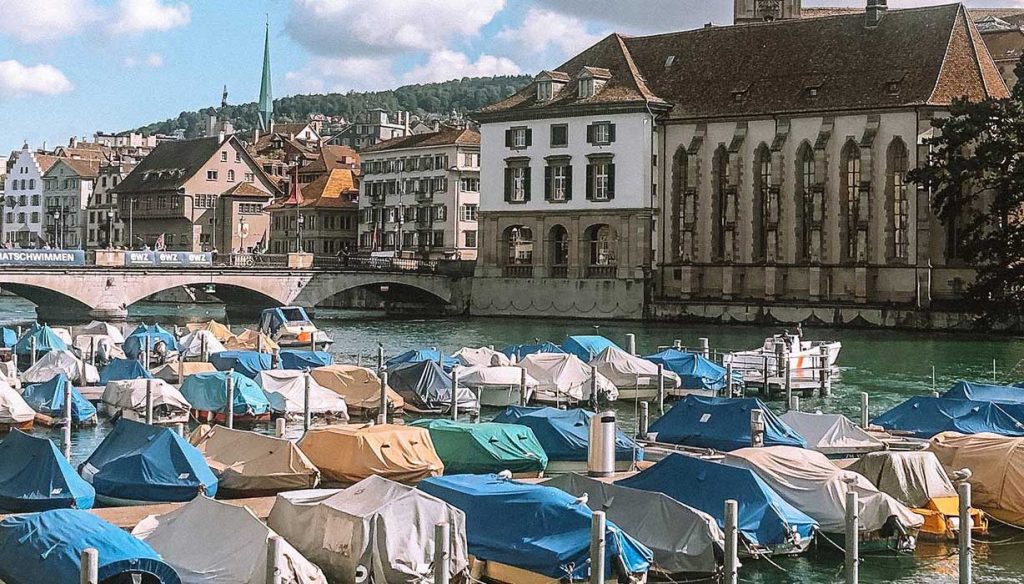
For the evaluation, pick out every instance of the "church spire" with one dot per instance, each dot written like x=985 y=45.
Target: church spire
x=265 y=108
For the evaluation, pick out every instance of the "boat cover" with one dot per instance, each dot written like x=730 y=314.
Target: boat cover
x=831 y=433
x=971 y=390
x=169 y=372
x=482 y=448
x=130 y=394
x=484 y=357
x=251 y=340
x=427 y=386
x=722 y=423
x=926 y=416
x=913 y=478
x=46 y=341
x=997 y=470
x=220 y=332
x=625 y=370
x=811 y=483
x=34 y=476
x=194 y=537
x=298 y=359
x=563 y=377
x=586 y=347
x=13 y=408
x=564 y=434
x=209 y=392
x=47 y=547
x=56 y=362
x=100 y=328
x=139 y=462
x=419 y=355
x=764 y=518
x=694 y=371
x=520 y=351
x=8 y=338
x=191 y=345
x=249 y=461
x=48 y=398
x=358 y=385
x=681 y=538
x=135 y=343
x=376 y=527
x=533 y=527
x=248 y=363
x=286 y=390
x=502 y=377
x=350 y=453
x=121 y=369
x=103 y=345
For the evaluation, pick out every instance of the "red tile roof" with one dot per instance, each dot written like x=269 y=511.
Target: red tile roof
x=446 y=137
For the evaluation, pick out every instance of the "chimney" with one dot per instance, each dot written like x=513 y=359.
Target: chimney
x=874 y=13
x=220 y=137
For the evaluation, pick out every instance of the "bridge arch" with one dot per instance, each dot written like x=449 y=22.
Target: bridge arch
x=51 y=305
x=326 y=285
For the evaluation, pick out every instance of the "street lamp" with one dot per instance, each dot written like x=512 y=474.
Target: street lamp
x=298 y=232
x=110 y=229
x=243 y=232
x=57 y=235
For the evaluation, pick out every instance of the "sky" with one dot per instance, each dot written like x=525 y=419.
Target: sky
x=73 y=67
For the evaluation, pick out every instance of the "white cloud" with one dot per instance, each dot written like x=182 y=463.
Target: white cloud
x=36 y=21
x=446 y=64
x=542 y=30
x=139 y=16
x=341 y=75
x=152 y=60
x=18 y=80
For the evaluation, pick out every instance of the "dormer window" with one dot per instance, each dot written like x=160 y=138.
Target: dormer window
x=587 y=87
x=545 y=91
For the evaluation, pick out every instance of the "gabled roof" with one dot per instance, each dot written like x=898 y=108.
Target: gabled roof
x=88 y=169
x=446 y=137
x=170 y=165
x=245 y=189
x=330 y=158
x=335 y=190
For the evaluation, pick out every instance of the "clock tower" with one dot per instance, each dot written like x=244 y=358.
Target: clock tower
x=747 y=11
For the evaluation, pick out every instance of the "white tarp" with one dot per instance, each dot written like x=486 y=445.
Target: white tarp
x=99 y=328
x=9 y=374
x=378 y=528
x=913 y=478
x=629 y=371
x=469 y=357
x=130 y=394
x=682 y=538
x=62 y=334
x=286 y=390
x=811 y=483
x=191 y=345
x=831 y=433
x=255 y=463
x=211 y=542
x=56 y=362
x=562 y=377
x=13 y=409
x=496 y=377
x=105 y=346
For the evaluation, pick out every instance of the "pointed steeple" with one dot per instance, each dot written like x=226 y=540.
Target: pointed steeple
x=265 y=108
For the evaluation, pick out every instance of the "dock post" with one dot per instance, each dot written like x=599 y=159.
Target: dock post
x=312 y=342
x=275 y=358
x=935 y=394
x=149 y=347
x=149 y=401
x=705 y=347
x=34 y=352
x=661 y=389
x=933 y=377
x=677 y=344
x=442 y=553
x=380 y=358
x=259 y=343
x=864 y=401
x=756 y=428
x=307 y=415
x=825 y=389
x=90 y=567
x=993 y=371
x=598 y=527
x=181 y=372
x=644 y=421
x=765 y=388
x=229 y=414
x=359 y=359
x=66 y=435
x=964 y=491
x=732 y=560
x=728 y=378
x=455 y=394
x=631 y=344
x=274 y=559
x=204 y=351
x=279 y=427
x=852 y=564
x=794 y=403
x=92 y=350
x=179 y=429
x=593 y=387
x=788 y=372
x=382 y=416
x=522 y=387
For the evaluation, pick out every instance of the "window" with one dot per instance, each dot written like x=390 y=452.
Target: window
x=804 y=203
x=587 y=87
x=719 y=202
x=600 y=180
x=471 y=239
x=250 y=177
x=35 y=217
x=211 y=175
x=468 y=212
x=517 y=184
x=470 y=185
x=238 y=156
x=602 y=245
x=762 y=186
x=31 y=184
x=601 y=133
x=849 y=193
x=558 y=182
x=440 y=213
x=544 y=91
x=21 y=217
x=559 y=135
x=518 y=138
x=898 y=198
x=231 y=176
x=438 y=239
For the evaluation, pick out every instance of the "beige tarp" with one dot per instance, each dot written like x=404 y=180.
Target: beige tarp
x=562 y=378
x=220 y=331
x=249 y=340
x=485 y=357
x=997 y=470
x=13 y=409
x=169 y=372
x=626 y=371
x=350 y=453
x=358 y=385
x=913 y=478
x=247 y=461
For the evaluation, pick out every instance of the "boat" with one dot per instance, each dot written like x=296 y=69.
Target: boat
x=377 y=530
x=803 y=357
x=60 y=362
x=565 y=436
x=98 y=349
x=360 y=387
x=100 y=328
x=15 y=413
x=918 y=480
x=219 y=331
x=697 y=375
x=48 y=546
x=286 y=390
x=486 y=448
x=810 y=482
x=248 y=363
x=767 y=524
x=193 y=538
x=562 y=379
x=349 y=453
x=516 y=353
x=975 y=391
x=9 y=371
x=8 y=338
x=497 y=386
x=687 y=544
x=586 y=347
x=546 y=538
x=300 y=359
x=634 y=377
x=171 y=371
x=249 y=464
x=251 y=340
x=720 y=423
x=151 y=336
x=994 y=467
x=481 y=357
x=198 y=343
x=420 y=355
x=121 y=369
x=208 y=394
x=46 y=340
x=290 y=326
x=925 y=416
x=139 y=464
x=427 y=389
x=831 y=434
x=34 y=477
x=127 y=398
x=48 y=399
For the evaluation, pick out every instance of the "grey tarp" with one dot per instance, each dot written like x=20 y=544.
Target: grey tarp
x=913 y=478
x=831 y=433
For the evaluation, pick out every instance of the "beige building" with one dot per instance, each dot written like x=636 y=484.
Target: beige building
x=104 y=227
x=319 y=218
x=67 y=189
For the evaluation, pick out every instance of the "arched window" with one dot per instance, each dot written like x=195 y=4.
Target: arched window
x=678 y=204
x=602 y=245
x=762 y=202
x=519 y=240
x=803 y=203
x=559 y=245
x=848 y=195
x=898 y=201
x=719 y=202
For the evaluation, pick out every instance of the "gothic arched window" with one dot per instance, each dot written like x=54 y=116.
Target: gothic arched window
x=803 y=201
x=719 y=202
x=762 y=203
x=849 y=185
x=898 y=200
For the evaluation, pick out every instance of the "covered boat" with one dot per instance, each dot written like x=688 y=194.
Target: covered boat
x=99 y=348
x=34 y=476
x=251 y=340
x=196 y=343
x=170 y=371
x=634 y=377
x=563 y=379
x=686 y=543
x=359 y=386
x=15 y=413
x=696 y=374
x=286 y=390
x=248 y=363
x=48 y=399
x=565 y=435
x=427 y=388
x=518 y=352
x=350 y=453
x=128 y=398
x=193 y=539
x=46 y=340
x=810 y=482
x=219 y=331
x=208 y=394
x=419 y=355
x=721 y=423
x=497 y=386
x=138 y=464
x=290 y=326
x=765 y=520
x=100 y=328
x=924 y=417
x=121 y=369
x=972 y=390
x=249 y=464
x=831 y=434
x=47 y=548
x=467 y=448
x=136 y=342
x=481 y=357
x=374 y=531
x=299 y=359
x=527 y=534
x=60 y=362
x=996 y=465
x=586 y=347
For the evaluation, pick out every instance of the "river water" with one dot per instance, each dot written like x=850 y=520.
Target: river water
x=890 y=365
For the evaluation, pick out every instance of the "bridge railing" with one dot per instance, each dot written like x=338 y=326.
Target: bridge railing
x=252 y=260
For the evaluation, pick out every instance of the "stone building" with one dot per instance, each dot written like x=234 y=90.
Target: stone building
x=67 y=189
x=21 y=219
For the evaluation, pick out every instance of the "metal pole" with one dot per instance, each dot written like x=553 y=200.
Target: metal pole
x=788 y=372
x=631 y=343
x=274 y=575
x=455 y=394
x=149 y=401
x=230 y=406
x=522 y=387
x=732 y=560
x=593 y=387
x=794 y=403
x=148 y=349
x=312 y=342
x=279 y=427
x=382 y=417
x=645 y=420
x=705 y=347
x=728 y=378
x=90 y=567
x=964 y=491
x=852 y=543
x=864 y=401
x=933 y=377
x=380 y=359
x=765 y=390
x=66 y=436
x=993 y=371
x=307 y=416
x=597 y=547
x=442 y=553
x=92 y=350
x=32 y=345
x=756 y=428
x=661 y=389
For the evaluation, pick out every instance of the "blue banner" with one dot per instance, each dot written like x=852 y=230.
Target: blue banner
x=42 y=257
x=168 y=258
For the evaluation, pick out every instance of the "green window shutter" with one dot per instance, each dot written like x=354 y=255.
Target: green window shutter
x=548 y=171
x=590 y=182
x=611 y=181
x=568 y=182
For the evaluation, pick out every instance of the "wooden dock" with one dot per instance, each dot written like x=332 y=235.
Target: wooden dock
x=128 y=517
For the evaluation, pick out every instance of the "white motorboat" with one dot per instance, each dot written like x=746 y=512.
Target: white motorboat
x=291 y=327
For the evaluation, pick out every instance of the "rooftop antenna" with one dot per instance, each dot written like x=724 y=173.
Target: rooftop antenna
x=224 y=97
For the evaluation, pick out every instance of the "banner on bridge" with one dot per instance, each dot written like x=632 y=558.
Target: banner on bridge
x=42 y=257
x=168 y=259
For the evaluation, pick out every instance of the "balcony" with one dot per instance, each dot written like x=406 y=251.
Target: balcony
x=603 y=272
x=518 y=271
x=425 y=197
x=424 y=221
x=559 y=271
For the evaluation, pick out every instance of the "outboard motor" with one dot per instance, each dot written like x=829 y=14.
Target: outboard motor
x=601 y=446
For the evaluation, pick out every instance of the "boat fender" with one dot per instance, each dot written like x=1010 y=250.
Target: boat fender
x=362 y=574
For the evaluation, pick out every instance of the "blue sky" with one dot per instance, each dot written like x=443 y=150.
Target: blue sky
x=71 y=67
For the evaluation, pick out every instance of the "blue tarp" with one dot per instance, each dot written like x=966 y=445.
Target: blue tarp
x=122 y=369
x=139 y=462
x=564 y=434
x=418 y=355
x=926 y=416
x=695 y=371
x=46 y=341
x=34 y=476
x=520 y=351
x=970 y=390
x=248 y=363
x=47 y=548
x=209 y=392
x=586 y=347
x=48 y=398
x=721 y=423
x=765 y=519
x=533 y=527
x=296 y=359
x=8 y=338
x=135 y=343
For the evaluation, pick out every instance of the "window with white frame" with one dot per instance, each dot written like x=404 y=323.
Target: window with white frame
x=211 y=175
x=519 y=137
x=544 y=91
x=469 y=212
x=470 y=185
x=602 y=175
x=224 y=156
x=470 y=238
x=519 y=175
x=587 y=87
x=559 y=182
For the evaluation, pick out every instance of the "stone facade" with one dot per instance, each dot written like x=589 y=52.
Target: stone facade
x=21 y=219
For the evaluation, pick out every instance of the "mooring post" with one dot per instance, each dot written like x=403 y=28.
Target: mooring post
x=631 y=343
x=179 y=429
x=756 y=428
x=279 y=427
x=677 y=344
x=852 y=565
x=598 y=526
x=661 y=389
x=765 y=389
x=966 y=551
x=705 y=347
x=823 y=367
x=788 y=372
x=229 y=414
x=312 y=342
x=32 y=356
x=274 y=575
x=66 y=435
x=149 y=347
x=864 y=402
x=380 y=359
x=204 y=351
x=728 y=378
x=593 y=387
x=794 y=403
x=181 y=372
x=90 y=567
x=522 y=387
x=307 y=415
x=259 y=343
x=382 y=416
x=442 y=553
x=92 y=350
x=455 y=394
x=149 y=401
x=933 y=377
x=732 y=560
x=993 y=371
x=644 y=421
